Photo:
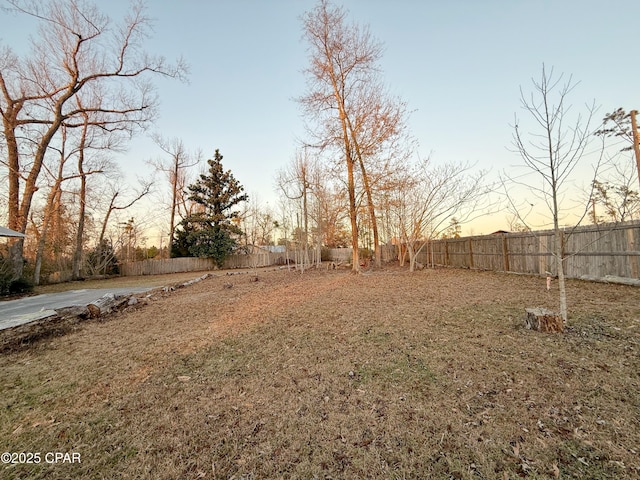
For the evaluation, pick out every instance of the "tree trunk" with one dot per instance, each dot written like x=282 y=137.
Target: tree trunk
x=355 y=254
x=39 y=253
x=402 y=254
x=174 y=202
x=559 y=244
x=367 y=189
x=305 y=213
x=372 y=215
x=77 y=254
x=53 y=203
x=559 y=239
x=412 y=257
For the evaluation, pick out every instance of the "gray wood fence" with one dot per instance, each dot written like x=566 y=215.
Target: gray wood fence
x=591 y=251
x=191 y=264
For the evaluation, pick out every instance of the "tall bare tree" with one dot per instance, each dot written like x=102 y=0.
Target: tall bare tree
x=75 y=51
x=175 y=167
x=53 y=203
x=90 y=139
x=552 y=150
x=352 y=112
x=294 y=182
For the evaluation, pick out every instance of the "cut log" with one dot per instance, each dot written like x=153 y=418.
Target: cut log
x=81 y=311
x=106 y=304
x=543 y=320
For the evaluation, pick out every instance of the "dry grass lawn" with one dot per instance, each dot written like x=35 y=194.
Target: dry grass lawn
x=328 y=375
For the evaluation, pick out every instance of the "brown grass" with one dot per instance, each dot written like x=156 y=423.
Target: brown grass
x=328 y=375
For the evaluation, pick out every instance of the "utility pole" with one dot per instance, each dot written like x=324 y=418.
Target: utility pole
x=636 y=139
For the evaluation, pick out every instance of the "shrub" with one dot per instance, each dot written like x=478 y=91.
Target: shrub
x=9 y=286
x=21 y=285
x=5 y=276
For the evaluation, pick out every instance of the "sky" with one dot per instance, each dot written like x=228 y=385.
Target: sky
x=459 y=65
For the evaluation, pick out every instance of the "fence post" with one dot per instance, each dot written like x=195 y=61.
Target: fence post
x=446 y=252
x=505 y=253
x=470 y=253
x=631 y=247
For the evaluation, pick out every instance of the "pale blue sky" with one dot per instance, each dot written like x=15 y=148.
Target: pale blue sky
x=458 y=65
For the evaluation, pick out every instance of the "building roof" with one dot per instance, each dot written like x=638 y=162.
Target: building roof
x=7 y=232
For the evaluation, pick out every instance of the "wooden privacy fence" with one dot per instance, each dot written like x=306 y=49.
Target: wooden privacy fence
x=166 y=265
x=340 y=255
x=254 y=260
x=591 y=251
x=191 y=264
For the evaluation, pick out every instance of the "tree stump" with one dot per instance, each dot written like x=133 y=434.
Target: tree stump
x=543 y=320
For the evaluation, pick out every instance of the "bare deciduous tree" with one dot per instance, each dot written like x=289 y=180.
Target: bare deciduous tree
x=54 y=199
x=117 y=192
x=175 y=167
x=352 y=112
x=75 y=51
x=552 y=150
x=294 y=182
x=429 y=196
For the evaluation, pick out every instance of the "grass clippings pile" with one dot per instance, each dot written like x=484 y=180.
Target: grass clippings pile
x=328 y=375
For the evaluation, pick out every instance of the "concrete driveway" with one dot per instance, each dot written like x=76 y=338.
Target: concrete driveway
x=27 y=309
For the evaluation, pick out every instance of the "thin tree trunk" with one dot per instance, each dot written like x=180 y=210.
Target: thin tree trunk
x=50 y=209
x=355 y=254
x=51 y=206
x=351 y=185
x=174 y=201
x=412 y=257
x=372 y=214
x=559 y=253
x=77 y=254
x=40 y=250
x=367 y=189
x=305 y=258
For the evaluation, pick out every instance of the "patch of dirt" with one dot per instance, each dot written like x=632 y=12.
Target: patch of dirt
x=328 y=375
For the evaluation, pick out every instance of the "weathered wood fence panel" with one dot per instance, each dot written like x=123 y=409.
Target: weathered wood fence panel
x=340 y=255
x=591 y=251
x=193 y=264
x=166 y=265
x=255 y=260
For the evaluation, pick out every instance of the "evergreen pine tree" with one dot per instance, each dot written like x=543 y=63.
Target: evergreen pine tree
x=210 y=232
